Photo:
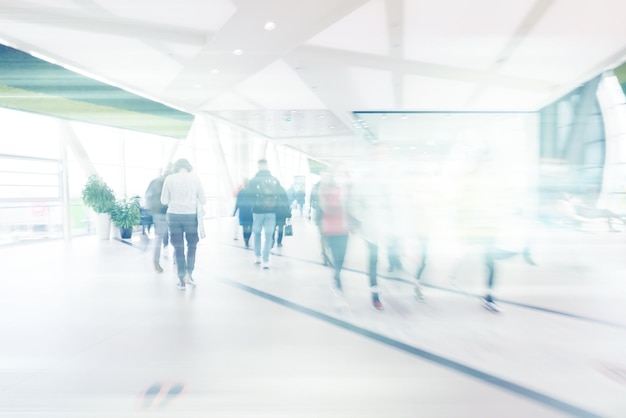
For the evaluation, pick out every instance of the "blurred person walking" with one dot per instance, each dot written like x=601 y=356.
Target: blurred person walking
x=300 y=196
x=184 y=196
x=158 y=210
x=376 y=214
x=243 y=206
x=283 y=212
x=317 y=215
x=333 y=194
x=486 y=212
x=266 y=189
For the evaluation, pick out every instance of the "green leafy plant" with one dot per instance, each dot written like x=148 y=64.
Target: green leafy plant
x=97 y=195
x=125 y=213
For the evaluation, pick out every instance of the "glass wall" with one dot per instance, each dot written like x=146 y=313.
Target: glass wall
x=451 y=175
x=32 y=160
x=572 y=146
x=613 y=104
x=30 y=206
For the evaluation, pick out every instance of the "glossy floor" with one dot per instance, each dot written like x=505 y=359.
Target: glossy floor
x=89 y=329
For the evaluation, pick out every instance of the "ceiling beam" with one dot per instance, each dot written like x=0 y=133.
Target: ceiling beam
x=314 y=56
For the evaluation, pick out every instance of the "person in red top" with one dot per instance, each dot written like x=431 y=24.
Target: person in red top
x=334 y=224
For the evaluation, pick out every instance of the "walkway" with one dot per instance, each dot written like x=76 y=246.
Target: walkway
x=88 y=329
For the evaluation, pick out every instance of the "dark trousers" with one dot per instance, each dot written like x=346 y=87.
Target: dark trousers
x=184 y=227
x=247 y=233
x=393 y=255
x=373 y=264
x=160 y=235
x=338 y=245
x=491 y=254
x=491 y=267
x=278 y=234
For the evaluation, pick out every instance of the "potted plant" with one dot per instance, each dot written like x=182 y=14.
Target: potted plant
x=125 y=215
x=97 y=195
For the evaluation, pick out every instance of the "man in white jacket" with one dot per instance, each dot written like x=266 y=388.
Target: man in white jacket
x=183 y=194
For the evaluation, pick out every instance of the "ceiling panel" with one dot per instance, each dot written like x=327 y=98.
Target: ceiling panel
x=30 y=84
x=574 y=40
x=278 y=86
x=492 y=98
x=208 y=15
x=115 y=59
x=331 y=56
x=60 y=5
x=429 y=93
x=277 y=124
x=460 y=34
x=370 y=88
x=364 y=30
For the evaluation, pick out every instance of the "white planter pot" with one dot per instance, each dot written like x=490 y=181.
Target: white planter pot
x=103 y=226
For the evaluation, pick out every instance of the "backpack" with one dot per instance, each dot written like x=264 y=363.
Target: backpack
x=283 y=208
x=153 y=196
x=267 y=191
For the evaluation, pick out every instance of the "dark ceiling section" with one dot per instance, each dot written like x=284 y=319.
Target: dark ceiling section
x=33 y=85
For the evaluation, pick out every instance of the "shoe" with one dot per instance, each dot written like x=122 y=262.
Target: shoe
x=337 y=284
x=190 y=280
x=376 y=304
x=528 y=257
x=265 y=265
x=336 y=291
x=247 y=245
x=181 y=285
x=257 y=260
x=339 y=299
x=158 y=268
x=280 y=245
x=417 y=290
x=490 y=304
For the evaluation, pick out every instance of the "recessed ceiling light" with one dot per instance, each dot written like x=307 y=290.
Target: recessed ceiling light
x=215 y=71
x=237 y=51
x=270 y=26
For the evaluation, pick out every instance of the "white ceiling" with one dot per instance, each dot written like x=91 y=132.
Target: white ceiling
x=299 y=83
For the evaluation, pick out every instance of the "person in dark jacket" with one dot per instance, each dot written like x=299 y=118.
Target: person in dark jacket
x=264 y=186
x=300 y=198
x=243 y=205
x=283 y=212
x=157 y=211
